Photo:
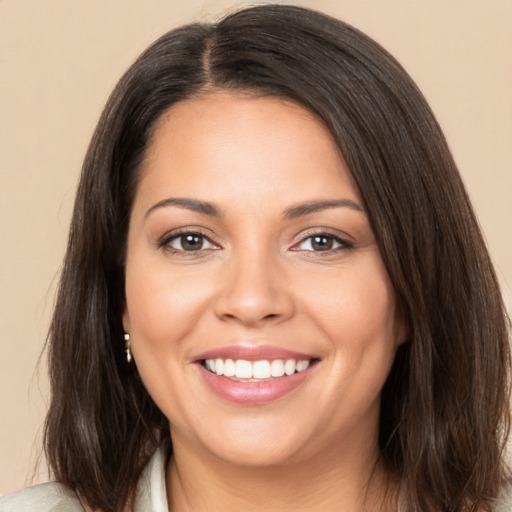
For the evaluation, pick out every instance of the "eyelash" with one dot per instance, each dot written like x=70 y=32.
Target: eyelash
x=343 y=244
x=165 y=243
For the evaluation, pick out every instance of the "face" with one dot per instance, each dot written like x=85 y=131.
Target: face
x=262 y=320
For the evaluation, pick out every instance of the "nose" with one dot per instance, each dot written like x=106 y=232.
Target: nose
x=254 y=292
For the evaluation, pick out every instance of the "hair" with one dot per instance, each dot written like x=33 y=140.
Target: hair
x=444 y=408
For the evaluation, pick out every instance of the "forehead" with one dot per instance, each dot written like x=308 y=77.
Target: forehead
x=225 y=145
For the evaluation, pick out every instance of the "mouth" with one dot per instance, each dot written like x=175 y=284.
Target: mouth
x=255 y=375
x=241 y=370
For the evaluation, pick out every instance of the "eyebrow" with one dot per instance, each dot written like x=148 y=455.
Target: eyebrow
x=195 y=205
x=299 y=210
x=314 y=206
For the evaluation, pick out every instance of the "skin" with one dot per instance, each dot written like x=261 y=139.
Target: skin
x=259 y=280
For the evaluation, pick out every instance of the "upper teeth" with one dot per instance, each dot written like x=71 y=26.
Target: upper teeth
x=242 y=369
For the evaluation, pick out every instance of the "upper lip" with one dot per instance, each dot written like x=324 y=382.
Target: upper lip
x=253 y=353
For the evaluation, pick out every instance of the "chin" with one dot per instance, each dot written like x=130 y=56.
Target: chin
x=256 y=454
x=252 y=443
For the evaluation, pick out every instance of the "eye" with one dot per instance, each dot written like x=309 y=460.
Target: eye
x=188 y=242
x=322 y=242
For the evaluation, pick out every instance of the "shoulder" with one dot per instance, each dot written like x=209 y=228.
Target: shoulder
x=54 y=497
x=49 y=497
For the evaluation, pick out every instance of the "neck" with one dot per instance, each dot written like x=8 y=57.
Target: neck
x=347 y=480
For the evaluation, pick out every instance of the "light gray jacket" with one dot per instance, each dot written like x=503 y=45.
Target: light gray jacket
x=150 y=495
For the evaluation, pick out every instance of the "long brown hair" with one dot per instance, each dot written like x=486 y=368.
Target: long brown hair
x=444 y=412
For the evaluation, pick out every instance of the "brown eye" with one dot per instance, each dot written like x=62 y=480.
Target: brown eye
x=191 y=242
x=188 y=242
x=323 y=242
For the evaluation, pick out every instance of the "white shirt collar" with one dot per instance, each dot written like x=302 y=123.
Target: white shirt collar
x=151 y=495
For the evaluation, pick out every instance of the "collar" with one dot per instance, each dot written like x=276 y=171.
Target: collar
x=150 y=495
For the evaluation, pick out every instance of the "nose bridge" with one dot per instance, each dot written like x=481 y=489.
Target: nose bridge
x=253 y=288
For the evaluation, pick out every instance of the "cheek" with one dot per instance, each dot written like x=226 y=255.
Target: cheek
x=357 y=308
x=160 y=305
x=161 y=311
x=359 y=320
x=357 y=313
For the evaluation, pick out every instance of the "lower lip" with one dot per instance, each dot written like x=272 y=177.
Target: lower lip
x=253 y=393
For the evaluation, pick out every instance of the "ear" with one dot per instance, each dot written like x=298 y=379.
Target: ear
x=126 y=318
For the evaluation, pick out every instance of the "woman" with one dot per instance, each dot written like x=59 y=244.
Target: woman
x=275 y=295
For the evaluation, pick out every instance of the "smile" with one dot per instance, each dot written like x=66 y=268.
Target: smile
x=258 y=375
x=255 y=371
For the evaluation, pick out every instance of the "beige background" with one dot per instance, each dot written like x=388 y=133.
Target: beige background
x=59 y=59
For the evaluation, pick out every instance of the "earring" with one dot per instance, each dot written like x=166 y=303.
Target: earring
x=127 y=348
